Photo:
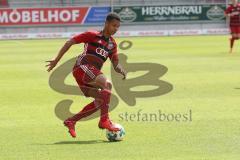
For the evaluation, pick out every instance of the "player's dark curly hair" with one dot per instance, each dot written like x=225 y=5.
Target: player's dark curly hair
x=111 y=16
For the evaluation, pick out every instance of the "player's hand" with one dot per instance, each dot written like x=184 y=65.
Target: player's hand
x=124 y=73
x=51 y=64
x=119 y=69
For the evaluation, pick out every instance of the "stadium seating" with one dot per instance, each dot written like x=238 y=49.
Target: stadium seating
x=39 y=3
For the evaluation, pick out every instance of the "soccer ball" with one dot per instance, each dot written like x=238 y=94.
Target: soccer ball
x=116 y=136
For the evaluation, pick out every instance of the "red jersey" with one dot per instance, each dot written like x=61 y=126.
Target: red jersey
x=234 y=20
x=97 y=48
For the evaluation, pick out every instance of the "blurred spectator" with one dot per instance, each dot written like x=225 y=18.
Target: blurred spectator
x=3 y=3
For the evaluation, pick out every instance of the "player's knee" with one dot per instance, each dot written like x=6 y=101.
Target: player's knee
x=98 y=102
x=105 y=96
x=109 y=85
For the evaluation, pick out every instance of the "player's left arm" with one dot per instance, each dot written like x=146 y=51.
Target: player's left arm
x=115 y=62
x=118 y=67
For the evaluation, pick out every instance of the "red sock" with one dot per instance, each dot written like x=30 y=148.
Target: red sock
x=86 y=111
x=105 y=95
x=104 y=113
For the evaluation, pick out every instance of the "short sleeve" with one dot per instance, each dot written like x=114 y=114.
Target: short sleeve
x=228 y=10
x=84 y=37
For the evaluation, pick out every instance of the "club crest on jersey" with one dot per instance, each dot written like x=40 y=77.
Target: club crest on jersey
x=102 y=52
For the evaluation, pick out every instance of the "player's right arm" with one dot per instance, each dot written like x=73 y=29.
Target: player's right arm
x=80 y=38
x=52 y=63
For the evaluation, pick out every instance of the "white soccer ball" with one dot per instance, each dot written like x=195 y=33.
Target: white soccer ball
x=116 y=136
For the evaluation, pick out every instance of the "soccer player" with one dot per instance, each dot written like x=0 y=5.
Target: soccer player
x=98 y=47
x=233 y=13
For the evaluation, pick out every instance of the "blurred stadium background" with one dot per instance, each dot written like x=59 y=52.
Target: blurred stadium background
x=207 y=18
x=204 y=76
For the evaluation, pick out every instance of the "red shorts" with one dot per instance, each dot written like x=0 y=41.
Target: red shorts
x=235 y=29
x=84 y=74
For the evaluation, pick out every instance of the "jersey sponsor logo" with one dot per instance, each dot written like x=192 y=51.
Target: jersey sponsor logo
x=42 y=16
x=102 y=52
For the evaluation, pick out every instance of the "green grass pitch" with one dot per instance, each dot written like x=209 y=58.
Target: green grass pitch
x=205 y=79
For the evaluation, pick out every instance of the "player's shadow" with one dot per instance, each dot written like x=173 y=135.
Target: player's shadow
x=80 y=142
